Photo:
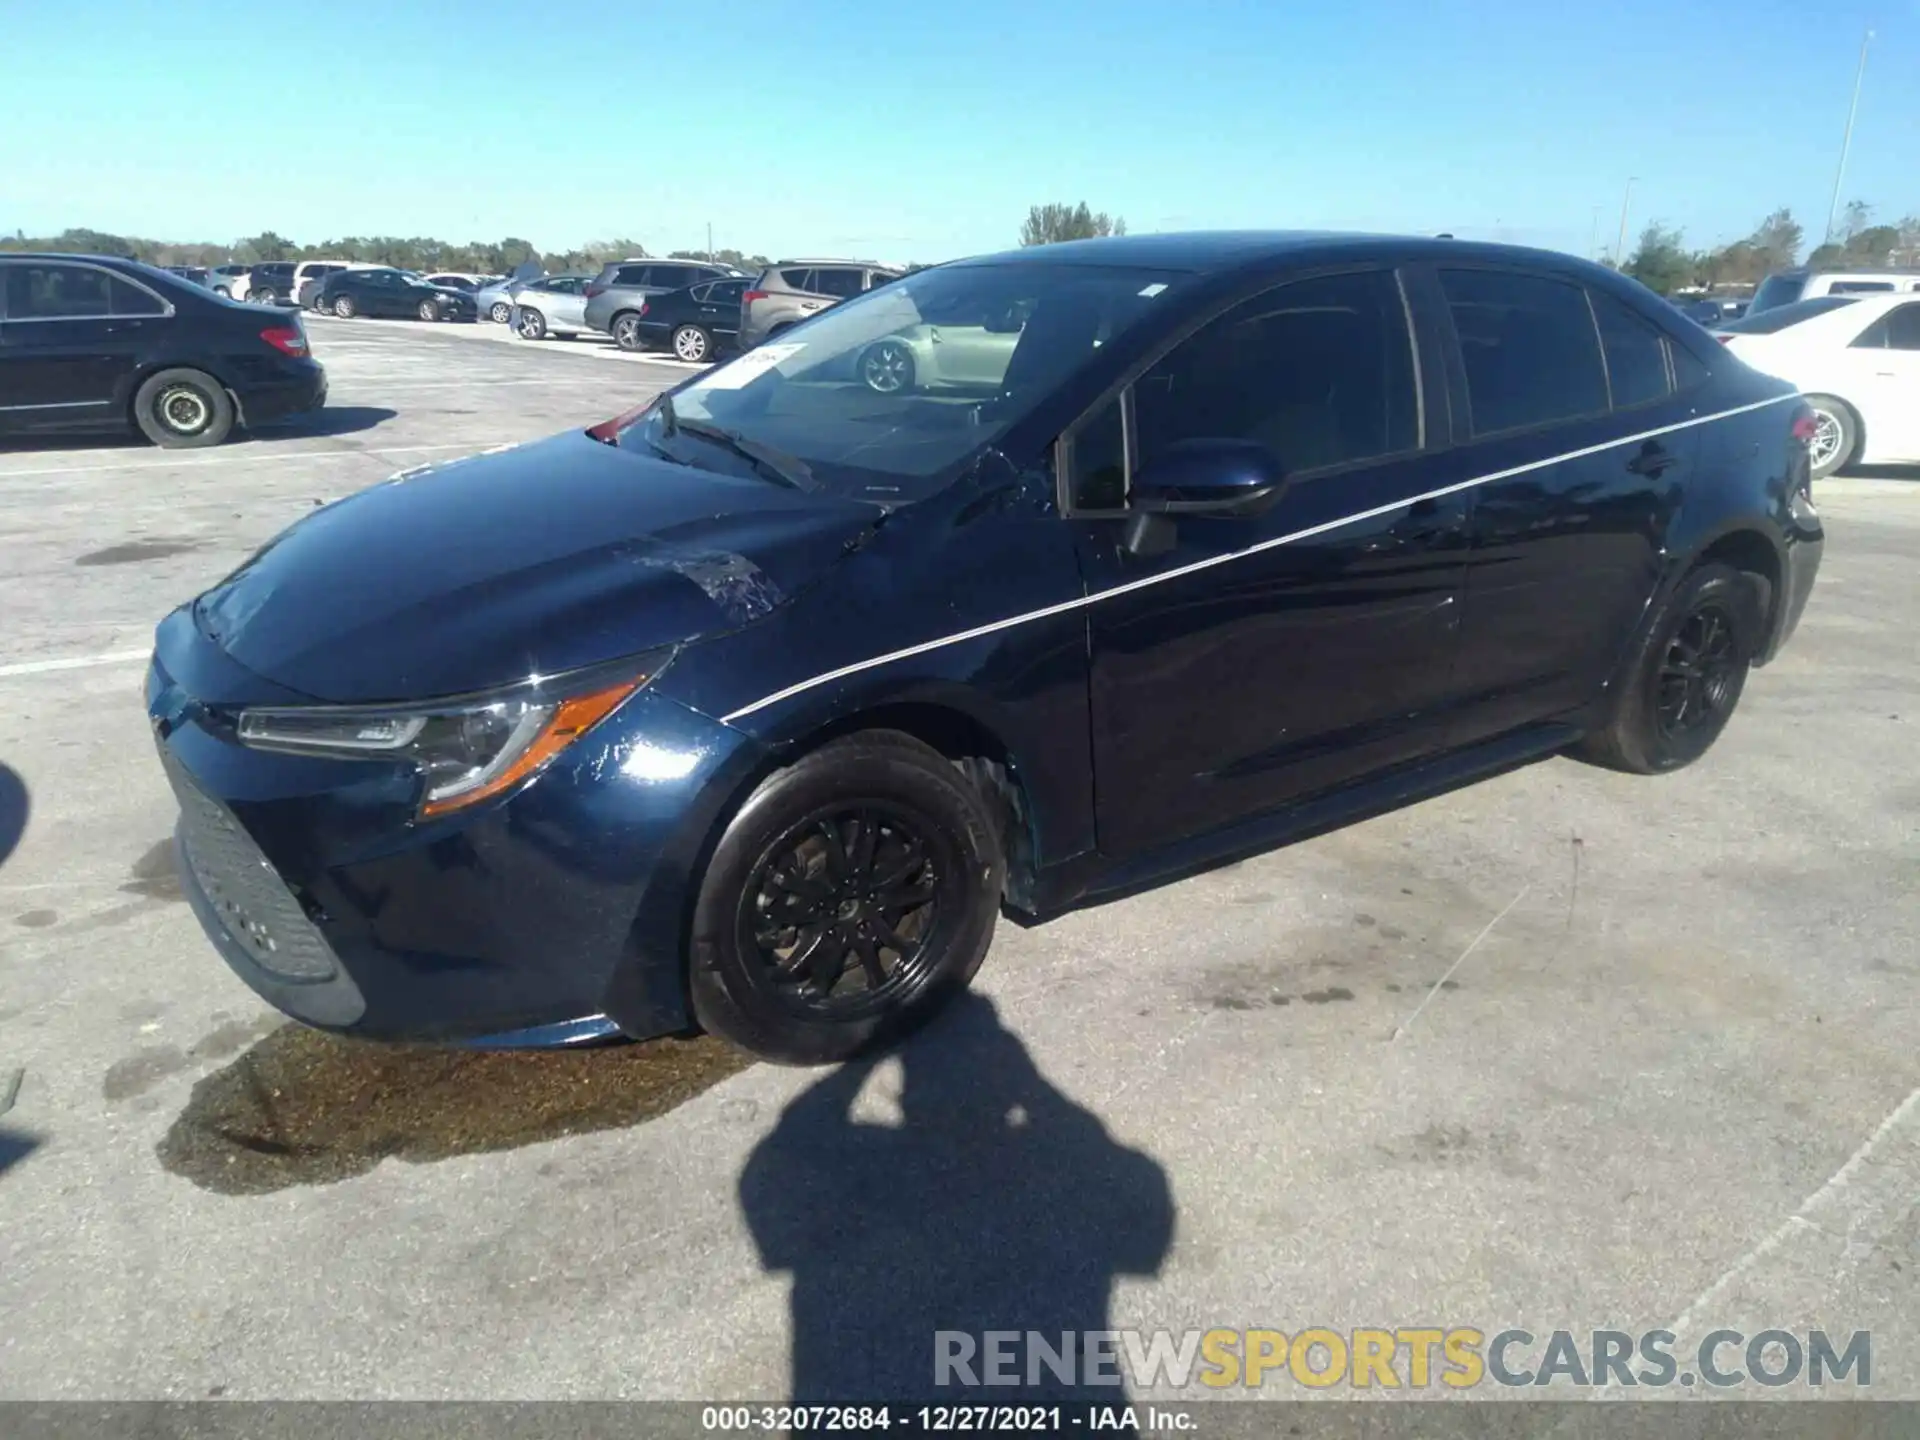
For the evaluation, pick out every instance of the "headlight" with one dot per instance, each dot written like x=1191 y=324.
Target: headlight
x=465 y=750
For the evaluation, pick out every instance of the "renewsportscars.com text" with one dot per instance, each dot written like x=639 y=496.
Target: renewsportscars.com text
x=1405 y=1357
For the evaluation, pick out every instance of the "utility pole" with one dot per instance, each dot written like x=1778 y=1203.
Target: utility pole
x=1846 y=143
x=1620 y=245
x=1593 y=235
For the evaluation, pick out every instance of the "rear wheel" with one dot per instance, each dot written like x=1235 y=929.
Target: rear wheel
x=1686 y=678
x=626 y=331
x=692 y=344
x=532 y=324
x=1836 y=434
x=344 y=307
x=428 y=310
x=853 y=894
x=262 y=297
x=887 y=368
x=183 y=409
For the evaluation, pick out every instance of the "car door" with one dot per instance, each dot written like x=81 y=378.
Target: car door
x=720 y=307
x=1552 y=379
x=74 y=334
x=567 y=301
x=1888 y=360
x=1264 y=658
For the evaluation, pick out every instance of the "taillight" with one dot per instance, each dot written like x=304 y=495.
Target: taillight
x=1724 y=339
x=607 y=432
x=1804 y=425
x=287 y=339
x=753 y=295
x=594 y=287
x=643 y=307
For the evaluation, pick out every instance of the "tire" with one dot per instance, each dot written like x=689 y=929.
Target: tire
x=1836 y=434
x=183 y=409
x=532 y=324
x=773 y=889
x=265 y=297
x=626 y=332
x=887 y=368
x=692 y=344
x=500 y=312
x=344 y=307
x=428 y=311
x=1694 y=660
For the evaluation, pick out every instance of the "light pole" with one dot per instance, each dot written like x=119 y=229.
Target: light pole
x=1593 y=234
x=1620 y=245
x=1846 y=142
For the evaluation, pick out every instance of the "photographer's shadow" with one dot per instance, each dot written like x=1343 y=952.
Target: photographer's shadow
x=995 y=1204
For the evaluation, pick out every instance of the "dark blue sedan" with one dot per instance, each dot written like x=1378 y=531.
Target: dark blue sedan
x=756 y=707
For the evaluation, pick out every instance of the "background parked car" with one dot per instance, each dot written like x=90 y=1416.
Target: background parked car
x=92 y=343
x=196 y=274
x=788 y=291
x=622 y=285
x=495 y=299
x=229 y=280
x=1856 y=360
x=551 y=305
x=1807 y=283
x=381 y=290
x=460 y=280
x=271 y=283
x=696 y=323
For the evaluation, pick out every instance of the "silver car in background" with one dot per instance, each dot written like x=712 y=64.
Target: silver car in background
x=495 y=297
x=552 y=305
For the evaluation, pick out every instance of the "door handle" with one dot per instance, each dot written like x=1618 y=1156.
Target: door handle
x=1653 y=460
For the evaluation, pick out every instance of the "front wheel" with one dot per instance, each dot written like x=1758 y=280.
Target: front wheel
x=887 y=368
x=428 y=310
x=852 y=896
x=1836 y=435
x=499 y=312
x=1686 y=678
x=183 y=409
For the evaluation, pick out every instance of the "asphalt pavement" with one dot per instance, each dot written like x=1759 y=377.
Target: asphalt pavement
x=1674 y=1085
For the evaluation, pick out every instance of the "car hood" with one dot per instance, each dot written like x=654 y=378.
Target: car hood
x=538 y=559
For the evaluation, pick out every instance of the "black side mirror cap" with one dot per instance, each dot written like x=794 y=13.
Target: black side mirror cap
x=1209 y=477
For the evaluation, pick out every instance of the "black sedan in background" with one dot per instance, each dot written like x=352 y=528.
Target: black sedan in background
x=696 y=322
x=93 y=343
x=385 y=291
x=754 y=707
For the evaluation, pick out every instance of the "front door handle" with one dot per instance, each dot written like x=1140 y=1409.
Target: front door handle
x=1654 y=460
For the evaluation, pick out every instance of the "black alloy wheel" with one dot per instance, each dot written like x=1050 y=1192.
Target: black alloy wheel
x=1684 y=678
x=849 y=897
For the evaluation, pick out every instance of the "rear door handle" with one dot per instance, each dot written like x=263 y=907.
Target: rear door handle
x=1653 y=460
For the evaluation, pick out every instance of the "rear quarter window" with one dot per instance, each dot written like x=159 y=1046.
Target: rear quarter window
x=1530 y=347
x=1636 y=353
x=797 y=279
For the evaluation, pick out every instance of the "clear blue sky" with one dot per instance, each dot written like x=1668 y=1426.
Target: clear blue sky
x=919 y=132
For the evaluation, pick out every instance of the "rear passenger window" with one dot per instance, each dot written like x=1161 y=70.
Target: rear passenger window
x=1319 y=371
x=837 y=282
x=1532 y=355
x=1896 y=330
x=73 y=292
x=1636 y=353
x=797 y=279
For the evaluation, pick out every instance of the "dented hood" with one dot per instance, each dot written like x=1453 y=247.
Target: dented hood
x=535 y=560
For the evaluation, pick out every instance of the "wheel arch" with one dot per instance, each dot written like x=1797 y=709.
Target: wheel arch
x=1748 y=548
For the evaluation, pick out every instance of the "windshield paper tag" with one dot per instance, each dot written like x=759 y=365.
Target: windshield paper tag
x=749 y=367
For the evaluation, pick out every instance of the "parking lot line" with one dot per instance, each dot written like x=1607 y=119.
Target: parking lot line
x=248 y=458
x=74 y=662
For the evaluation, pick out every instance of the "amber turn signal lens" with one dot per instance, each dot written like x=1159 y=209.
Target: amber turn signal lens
x=571 y=719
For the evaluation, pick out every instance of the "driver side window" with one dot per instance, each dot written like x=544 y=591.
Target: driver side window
x=1319 y=371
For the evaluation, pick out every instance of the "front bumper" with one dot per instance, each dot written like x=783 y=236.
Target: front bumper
x=322 y=891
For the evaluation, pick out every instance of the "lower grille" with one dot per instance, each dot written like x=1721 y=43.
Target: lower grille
x=254 y=904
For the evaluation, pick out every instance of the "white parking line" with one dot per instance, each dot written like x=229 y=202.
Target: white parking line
x=75 y=662
x=247 y=458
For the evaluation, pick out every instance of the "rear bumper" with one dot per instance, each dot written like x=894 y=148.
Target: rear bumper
x=1805 y=542
x=294 y=393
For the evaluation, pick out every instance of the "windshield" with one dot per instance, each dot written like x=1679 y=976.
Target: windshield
x=884 y=396
x=1780 y=317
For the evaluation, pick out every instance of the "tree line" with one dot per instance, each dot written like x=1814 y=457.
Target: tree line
x=1663 y=261
x=422 y=253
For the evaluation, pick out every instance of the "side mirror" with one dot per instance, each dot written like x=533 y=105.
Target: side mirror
x=1202 y=478
x=1209 y=477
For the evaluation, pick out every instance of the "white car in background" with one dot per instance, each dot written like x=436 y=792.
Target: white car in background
x=1856 y=358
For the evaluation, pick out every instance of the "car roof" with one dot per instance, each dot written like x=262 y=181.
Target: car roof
x=1843 y=272
x=1224 y=251
x=832 y=260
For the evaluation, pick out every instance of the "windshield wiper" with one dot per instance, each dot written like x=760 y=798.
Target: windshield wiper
x=789 y=470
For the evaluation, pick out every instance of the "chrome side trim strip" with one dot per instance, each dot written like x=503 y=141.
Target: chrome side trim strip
x=60 y=405
x=1081 y=602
